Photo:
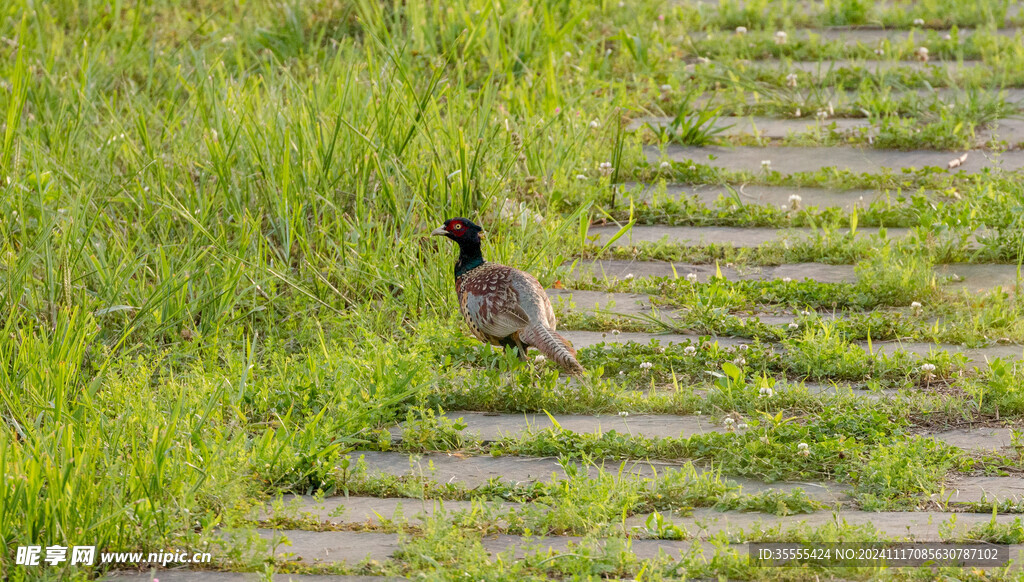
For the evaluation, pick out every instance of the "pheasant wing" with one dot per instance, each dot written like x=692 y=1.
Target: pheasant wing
x=495 y=312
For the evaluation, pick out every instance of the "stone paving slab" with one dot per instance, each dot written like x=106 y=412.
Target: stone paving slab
x=853 y=35
x=332 y=547
x=493 y=427
x=982 y=439
x=628 y=304
x=974 y=278
x=709 y=194
x=1010 y=131
x=823 y=67
x=184 y=575
x=336 y=547
x=640 y=304
x=701 y=523
x=340 y=510
x=984 y=488
x=619 y=269
x=977 y=356
x=474 y=471
x=733 y=236
x=771 y=127
x=791 y=160
x=894 y=525
x=1011 y=96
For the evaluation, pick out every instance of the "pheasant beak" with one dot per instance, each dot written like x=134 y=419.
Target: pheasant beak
x=440 y=231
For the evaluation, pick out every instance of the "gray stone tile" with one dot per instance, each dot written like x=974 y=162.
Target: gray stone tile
x=983 y=488
x=981 y=439
x=973 y=278
x=491 y=427
x=893 y=525
x=977 y=356
x=765 y=195
x=738 y=237
x=770 y=127
x=790 y=160
x=473 y=471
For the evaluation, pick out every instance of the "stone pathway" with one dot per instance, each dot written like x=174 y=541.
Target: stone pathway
x=811 y=159
x=700 y=523
x=474 y=471
x=982 y=439
x=977 y=356
x=710 y=194
x=971 y=277
x=1010 y=131
x=866 y=35
x=737 y=237
x=492 y=427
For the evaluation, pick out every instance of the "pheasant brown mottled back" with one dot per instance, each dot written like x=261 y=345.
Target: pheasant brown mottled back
x=504 y=306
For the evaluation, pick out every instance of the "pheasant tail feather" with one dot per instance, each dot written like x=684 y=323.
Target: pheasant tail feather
x=553 y=346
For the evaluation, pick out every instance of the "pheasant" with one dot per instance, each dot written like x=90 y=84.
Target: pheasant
x=504 y=306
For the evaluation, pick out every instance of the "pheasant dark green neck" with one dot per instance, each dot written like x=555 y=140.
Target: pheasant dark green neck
x=469 y=257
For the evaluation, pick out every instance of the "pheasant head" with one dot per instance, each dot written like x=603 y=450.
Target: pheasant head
x=467 y=235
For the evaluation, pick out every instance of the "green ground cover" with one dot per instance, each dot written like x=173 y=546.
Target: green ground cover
x=216 y=277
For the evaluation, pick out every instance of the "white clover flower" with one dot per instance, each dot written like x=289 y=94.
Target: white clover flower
x=795 y=200
x=567 y=55
x=743 y=347
x=948 y=37
x=580 y=177
x=879 y=52
x=766 y=392
x=623 y=414
x=915 y=305
x=786 y=279
x=540 y=359
x=741 y=30
x=783 y=207
x=628 y=276
x=927 y=368
x=689 y=350
x=665 y=88
x=805 y=313
x=821 y=114
x=728 y=421
x=646 y=365
x=791 y=80
x=595 y=123
x=921 y=53
x=699 y=413
x=780 y=37
x=918 y=22
x=665 y=165
x=692 y=168
x=691 y=277
x=805 y=453
x=608 y=53
x=794 y=325
x=740 y=361
x=766 y=164
x=742 y=426
x=616 y=332
x=802 y=447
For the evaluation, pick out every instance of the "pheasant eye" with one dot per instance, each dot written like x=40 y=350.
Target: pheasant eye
x=457 y=226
